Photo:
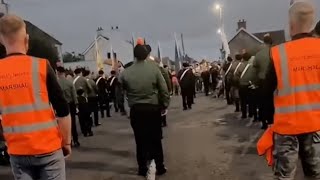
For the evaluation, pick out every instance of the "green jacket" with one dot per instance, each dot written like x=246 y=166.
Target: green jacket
x=81 y=83
x=229 y=74
x=144 y=84
x=238 y=73
x=94 y=88
x=261 y=64
x=68 y=90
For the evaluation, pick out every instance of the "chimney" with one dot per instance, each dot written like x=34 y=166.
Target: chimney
x=242 y=24
x=99 y=31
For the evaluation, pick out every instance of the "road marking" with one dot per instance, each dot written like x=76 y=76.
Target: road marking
x=251 y=141
x=249 y=123
x=151 y=175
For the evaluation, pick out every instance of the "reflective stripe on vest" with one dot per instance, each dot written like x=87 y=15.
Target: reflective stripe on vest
x=38 y=105
x=287 y=89
x=30 y=128
x=297 y=108
x=245 y=70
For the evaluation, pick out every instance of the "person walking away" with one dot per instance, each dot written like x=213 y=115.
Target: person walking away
x=84 y=114
x=103 y=94
x=80 y=82
x=229 y=78
x=166 y=77
x=244 y=91
x=112 y=83
x=205 y=75
x=71 y=97
x=293 y=76
x=119 y=93
x=147 y=96
x=260 y=64
x=175 y=83
x=227 y=67
x=22 y=78
x=248 y=79
x=93 y=98
x=186 y=81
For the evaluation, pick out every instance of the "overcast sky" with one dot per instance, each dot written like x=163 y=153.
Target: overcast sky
x=74 y=22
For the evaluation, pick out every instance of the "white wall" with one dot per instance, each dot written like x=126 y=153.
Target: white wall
x=120 y=46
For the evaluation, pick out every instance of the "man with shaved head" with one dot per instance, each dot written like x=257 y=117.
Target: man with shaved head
x=37 y=140
x=294 y=78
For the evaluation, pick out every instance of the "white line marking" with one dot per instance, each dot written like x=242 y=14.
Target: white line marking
x=249 y=123
x=252 y=140
x=152 y=171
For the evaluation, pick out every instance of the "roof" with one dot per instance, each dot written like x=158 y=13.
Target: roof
x=93 y=42
x=244 y=30
x=33 y=30
x=278 y=36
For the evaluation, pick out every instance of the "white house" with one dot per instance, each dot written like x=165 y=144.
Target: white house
x=121 y=46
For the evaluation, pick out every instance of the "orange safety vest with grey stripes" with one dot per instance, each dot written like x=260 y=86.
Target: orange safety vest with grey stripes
x=28 y=121
x=297 y=98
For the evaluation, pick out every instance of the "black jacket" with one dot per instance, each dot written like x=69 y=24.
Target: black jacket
x=188 y=80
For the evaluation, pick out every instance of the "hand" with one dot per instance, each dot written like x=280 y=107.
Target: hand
x=67 y=151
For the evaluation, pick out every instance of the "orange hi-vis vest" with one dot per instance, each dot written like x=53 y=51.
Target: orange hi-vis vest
x=29 y=123
x=297 y=98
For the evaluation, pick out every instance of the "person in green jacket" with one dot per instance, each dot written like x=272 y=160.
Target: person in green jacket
x=148 y=96
x=229 y=81
x=246 y=94
x=261 y=65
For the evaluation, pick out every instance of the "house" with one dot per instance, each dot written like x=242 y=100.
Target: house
x=115 y=40
x=252 y=42
x=34 y=31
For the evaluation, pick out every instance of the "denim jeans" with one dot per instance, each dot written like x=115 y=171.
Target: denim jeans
x=40 y=167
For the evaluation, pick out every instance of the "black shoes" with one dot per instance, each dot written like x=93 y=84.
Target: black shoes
x=76 y=144
x=90 y=134
x=99 y=124
x=161 y=171
x=185 y=108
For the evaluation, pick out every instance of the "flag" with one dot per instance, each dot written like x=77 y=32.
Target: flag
x=177 y=61
x=291 y=2
x=132 y=43
x=182 y=43
x=159 y=55
x=98 y=55
x=114 y=60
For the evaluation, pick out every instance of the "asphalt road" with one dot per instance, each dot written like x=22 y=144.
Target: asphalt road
x=209 y=142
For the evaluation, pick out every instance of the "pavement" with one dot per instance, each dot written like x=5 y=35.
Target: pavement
x=209 y=142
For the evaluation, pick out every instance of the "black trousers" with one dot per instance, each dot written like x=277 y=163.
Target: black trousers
x=228 y=96
x=85 y=122
x=266 y=107
x=146 y=125
x=253 y=99
x=94 y=108
x=206 y=88
x=73 y=111
x=104 y=105
x=187 y=97
x=244 y=100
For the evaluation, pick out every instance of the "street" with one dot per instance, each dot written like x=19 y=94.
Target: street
x=209 y=142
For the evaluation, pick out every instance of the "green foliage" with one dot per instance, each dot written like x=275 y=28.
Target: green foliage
x=71 y=57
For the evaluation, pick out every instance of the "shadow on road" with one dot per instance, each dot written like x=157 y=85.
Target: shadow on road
x=99 y=166
x=106 y=150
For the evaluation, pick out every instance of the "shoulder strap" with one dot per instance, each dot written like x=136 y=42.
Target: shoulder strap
x=112 y=81
x=245 y=70
x=184 y=73
x=229 y=68
x=98 y=80
x=75 y=80
x=235 y=71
